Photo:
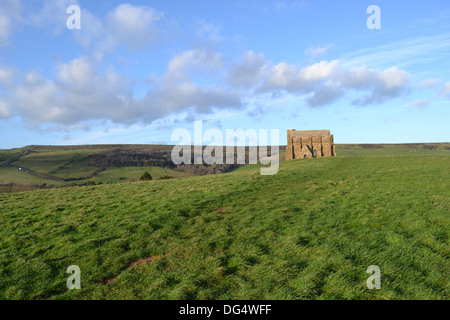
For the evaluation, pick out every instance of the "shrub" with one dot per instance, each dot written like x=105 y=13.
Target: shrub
x=146 y=177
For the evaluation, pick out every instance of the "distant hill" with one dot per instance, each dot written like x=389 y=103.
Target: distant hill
x=61 y=165
x=31 y=167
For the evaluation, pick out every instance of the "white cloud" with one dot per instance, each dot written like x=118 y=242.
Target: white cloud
x=319 y=71
x=381 y=85
x=134 y=25
x=78 y=74
x=81 y=93
x=282 y=76
x=197 y=59
x=175 y=97
x=129 y=25
x=92 y=29
x=69 y=100
x=176 y=91
x=324 y=95
x=327 y=81
x=7 y=75
x=287 y=77
x=36 y=99
x=5 y=28
x=249 y=71
x=10 y=13
x=5 y=111
x=52 y=16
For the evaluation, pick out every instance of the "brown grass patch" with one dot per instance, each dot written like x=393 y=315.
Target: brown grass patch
x=132 y=265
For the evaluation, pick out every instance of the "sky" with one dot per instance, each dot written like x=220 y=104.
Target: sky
x=137 y=71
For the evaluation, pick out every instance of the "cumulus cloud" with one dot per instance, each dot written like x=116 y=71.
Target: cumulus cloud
x=5 y=28
x=51 y=16
x=380 y=85
x=249 y=71
x=176 y=90
x=79 y=92
x=175 y=97
x=133 y=25
x=327 y=81
x=196 y=80
x=197 y=59
x=127 y=24
x=78 y=74
x=92 y=30
x=287 y=77
x=5 y=111
x=325 y=95
x=7 y=75
x=10 y=13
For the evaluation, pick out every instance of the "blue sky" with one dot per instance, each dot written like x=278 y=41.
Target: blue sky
x=139 y=70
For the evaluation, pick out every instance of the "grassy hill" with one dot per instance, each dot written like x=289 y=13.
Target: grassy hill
x=58 y=165
x=309 y=232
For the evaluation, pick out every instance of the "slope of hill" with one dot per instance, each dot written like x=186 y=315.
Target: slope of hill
x=308 y=232
x=58 y=165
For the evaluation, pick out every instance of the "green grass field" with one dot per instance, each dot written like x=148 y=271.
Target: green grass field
x=309 y=232
x=131 y=174
x=11 y=175
x=81 y=164
x=74 y=163
x=64 y=164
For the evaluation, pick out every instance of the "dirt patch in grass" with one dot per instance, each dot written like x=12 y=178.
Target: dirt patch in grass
x=132 y=265
x=143 y=261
